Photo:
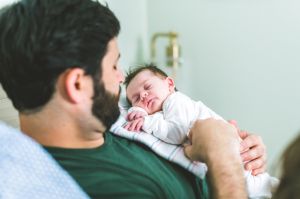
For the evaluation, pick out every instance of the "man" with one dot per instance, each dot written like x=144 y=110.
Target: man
x=59 y=66
x=290 y=178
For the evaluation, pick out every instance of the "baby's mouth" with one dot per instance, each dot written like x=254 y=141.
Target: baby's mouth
x=149 y=102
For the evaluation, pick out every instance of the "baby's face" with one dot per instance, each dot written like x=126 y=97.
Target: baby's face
x=149 y=91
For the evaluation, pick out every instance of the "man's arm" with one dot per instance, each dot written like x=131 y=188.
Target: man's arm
x=216 y=143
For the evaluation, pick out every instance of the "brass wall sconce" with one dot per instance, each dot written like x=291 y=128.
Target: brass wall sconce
x=172 y=50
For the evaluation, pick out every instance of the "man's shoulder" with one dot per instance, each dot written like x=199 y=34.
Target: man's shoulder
x=28 y=171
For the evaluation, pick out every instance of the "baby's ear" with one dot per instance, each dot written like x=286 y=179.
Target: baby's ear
x=171 y=83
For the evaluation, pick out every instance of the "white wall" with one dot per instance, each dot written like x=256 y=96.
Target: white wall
x=7 y=113
x=241 y=58
x=134 y=31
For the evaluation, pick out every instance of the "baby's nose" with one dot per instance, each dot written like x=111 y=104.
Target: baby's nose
x=143 y=95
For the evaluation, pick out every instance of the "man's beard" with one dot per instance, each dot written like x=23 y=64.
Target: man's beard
x=105 y=105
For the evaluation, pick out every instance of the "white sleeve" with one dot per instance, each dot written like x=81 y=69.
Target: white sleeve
x=136 y=108
x=171 y=125
x=168 y=131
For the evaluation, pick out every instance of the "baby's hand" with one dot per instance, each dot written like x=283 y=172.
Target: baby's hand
x=135 y=115
x=135 y=125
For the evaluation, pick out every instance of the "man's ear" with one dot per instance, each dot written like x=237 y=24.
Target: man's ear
x=75 y=84
x=171 y=83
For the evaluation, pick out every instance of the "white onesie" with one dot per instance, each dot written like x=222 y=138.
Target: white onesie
x=173 y=123
x=179 y=112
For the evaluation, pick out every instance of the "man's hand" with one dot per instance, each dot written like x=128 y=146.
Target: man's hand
x=211 y=136
x=253 y=151
x=135 y=115
x=216 y=143
x=256 y=155
x=135 y=125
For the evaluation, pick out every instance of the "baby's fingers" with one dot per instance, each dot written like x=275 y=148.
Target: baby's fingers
x=126 y=126
x=130 y=116
x=139 y=125
x=131 y=126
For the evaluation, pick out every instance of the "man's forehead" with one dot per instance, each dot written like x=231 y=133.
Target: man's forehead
x=112 y=47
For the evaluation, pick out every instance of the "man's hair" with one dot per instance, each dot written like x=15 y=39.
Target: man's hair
x=135 y=71
x=290 y=177
x=40 y=39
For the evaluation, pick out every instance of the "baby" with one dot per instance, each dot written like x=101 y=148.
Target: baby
x=160 y=110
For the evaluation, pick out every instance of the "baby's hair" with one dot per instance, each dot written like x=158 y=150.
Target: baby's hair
x=135 y=71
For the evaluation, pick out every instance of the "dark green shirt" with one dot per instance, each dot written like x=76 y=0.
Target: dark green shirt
x=121 y=168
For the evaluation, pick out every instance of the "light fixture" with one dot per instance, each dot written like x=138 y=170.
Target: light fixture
x=172 y=50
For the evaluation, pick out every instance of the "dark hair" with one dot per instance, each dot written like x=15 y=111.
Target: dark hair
x=40 y=39
x=289 y=186
x=135 y=71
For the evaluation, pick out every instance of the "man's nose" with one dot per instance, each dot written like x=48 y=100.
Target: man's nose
x=120 y=76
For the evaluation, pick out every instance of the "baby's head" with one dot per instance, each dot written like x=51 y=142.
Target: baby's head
x=148 y=87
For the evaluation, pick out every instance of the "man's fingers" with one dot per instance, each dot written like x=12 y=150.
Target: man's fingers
x=234 y=123
x=256 y=163
x=256 y=167
x=251 y=141
x=259 y=171
x=253 y=154
x=243 y=134
x=188 y=151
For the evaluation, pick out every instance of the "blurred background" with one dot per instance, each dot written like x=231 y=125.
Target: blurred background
x=239 y=57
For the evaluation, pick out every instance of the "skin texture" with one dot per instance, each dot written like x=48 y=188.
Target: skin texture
x=204 y=136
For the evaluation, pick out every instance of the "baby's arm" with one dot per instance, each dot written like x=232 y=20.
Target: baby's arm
x=135 y=113
x=170 y=131
x=135 y=125
x=173 y=132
